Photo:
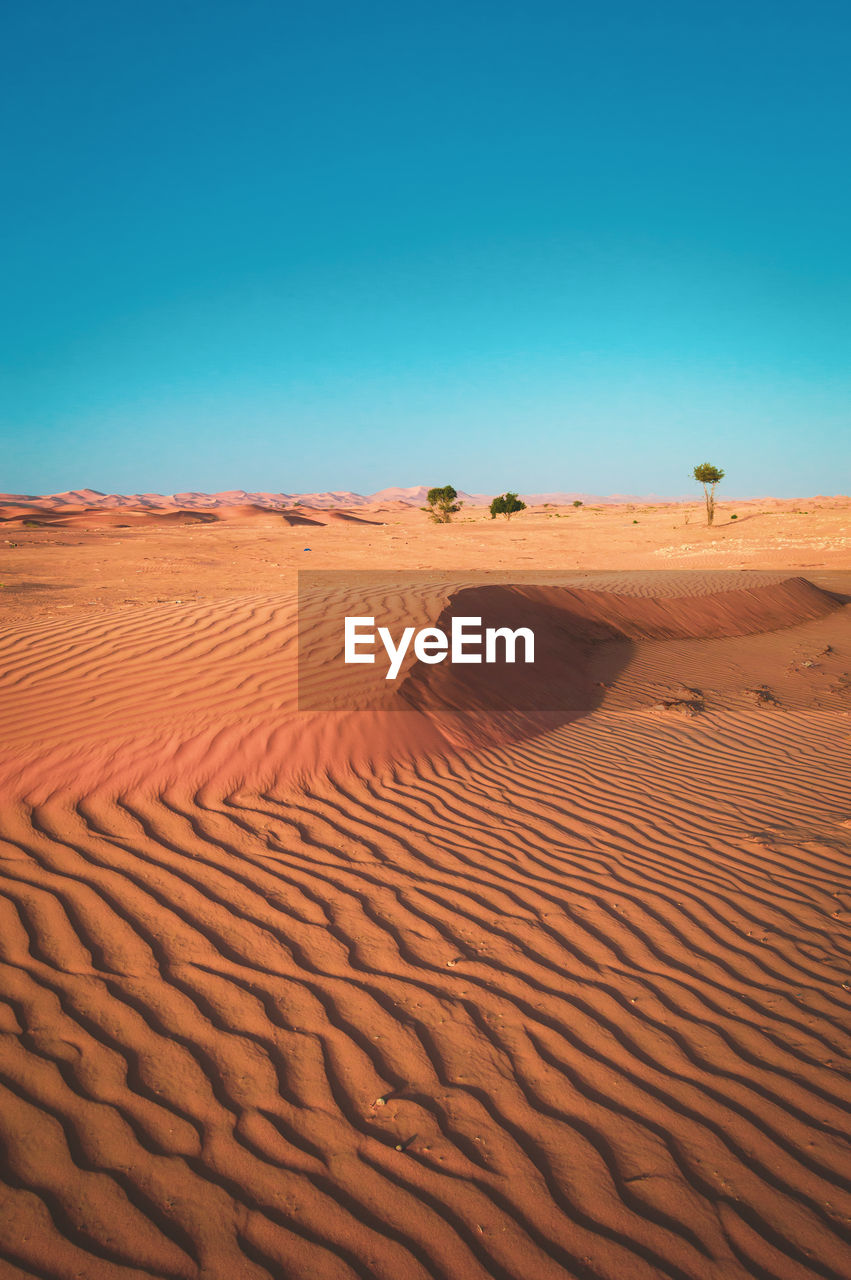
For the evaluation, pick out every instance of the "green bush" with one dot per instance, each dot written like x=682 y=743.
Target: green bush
x=709 y=477
x=442 y=505
x=506 y=505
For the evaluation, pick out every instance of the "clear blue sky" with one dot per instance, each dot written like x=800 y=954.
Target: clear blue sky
x=298 y=246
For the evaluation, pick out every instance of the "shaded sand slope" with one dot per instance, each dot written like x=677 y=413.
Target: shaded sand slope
x=583 y=639
x=575 y=1006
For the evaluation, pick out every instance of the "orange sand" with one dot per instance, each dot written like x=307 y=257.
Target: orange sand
x=345 y=994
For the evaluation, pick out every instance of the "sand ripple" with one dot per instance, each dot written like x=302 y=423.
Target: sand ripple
x=573 y=1006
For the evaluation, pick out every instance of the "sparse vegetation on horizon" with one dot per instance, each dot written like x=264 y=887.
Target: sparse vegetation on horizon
x=709 y=476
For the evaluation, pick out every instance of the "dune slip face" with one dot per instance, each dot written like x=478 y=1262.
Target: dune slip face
x=439 y=981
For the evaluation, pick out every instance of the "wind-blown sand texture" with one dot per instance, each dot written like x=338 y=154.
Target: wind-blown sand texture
x=329 y=996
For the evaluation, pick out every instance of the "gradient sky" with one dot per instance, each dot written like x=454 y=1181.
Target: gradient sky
x=301 y=246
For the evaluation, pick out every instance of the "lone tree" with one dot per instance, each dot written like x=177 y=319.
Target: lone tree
x=506 y=505
x=441 y=504
x=708 y=476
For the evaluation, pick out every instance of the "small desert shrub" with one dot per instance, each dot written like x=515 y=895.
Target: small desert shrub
x=441 y=504
x=709 y=477
x=506 y=505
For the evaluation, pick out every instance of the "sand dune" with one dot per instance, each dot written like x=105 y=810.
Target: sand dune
x=324 y=996
x=345 y=517
x=296 y=518
x=122 y=515
x=117 y=517
x=392 y=499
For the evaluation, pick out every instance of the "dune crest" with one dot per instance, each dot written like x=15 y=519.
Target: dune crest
x=126 y=693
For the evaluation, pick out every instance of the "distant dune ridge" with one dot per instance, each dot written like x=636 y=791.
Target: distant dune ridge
x=89 y=508
x=92 y=499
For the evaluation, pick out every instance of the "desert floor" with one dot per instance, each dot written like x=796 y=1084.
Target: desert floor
x=327 y=995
